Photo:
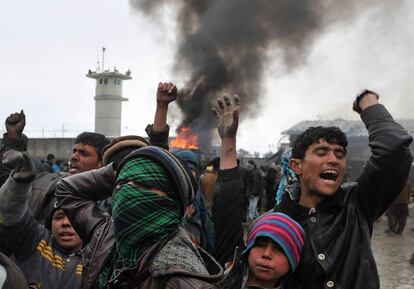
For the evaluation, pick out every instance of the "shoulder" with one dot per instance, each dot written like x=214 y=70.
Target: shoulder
x=348 y=186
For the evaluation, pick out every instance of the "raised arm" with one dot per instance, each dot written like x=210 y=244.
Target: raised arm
x=16 y=190
x=159 y=131
x=18 y=226
x=387 y=169
x=228 y=200
x=13 y=139
x=78 y=194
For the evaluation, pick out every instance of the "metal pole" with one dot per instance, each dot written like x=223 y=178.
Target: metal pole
x=103 y=59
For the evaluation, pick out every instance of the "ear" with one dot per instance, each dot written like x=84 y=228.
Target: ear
x=296 y=166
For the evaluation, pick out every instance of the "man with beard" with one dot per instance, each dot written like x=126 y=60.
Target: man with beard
x=338 y=220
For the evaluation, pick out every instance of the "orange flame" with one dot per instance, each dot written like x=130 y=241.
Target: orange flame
x=185 y=139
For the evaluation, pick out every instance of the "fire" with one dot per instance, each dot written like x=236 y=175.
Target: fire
x=185 y=139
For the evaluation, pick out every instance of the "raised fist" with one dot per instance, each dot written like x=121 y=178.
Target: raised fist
x=166 y=93
x=15 y=124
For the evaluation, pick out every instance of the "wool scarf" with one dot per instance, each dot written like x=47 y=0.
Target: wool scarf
x=141 y=216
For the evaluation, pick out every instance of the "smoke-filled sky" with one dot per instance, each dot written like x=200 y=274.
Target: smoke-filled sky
x=288 y=60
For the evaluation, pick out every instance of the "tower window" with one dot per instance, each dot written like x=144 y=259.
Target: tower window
x=105 y=80
x=100 y=80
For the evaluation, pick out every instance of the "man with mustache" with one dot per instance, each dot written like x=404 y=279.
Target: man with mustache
x=337 y=219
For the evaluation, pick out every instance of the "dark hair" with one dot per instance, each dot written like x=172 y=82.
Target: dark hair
x=331 y=134
x=50 y=157
x=215 y=163
x=97 y=140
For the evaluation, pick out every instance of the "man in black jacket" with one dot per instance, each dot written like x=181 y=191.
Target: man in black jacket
x=338 y=220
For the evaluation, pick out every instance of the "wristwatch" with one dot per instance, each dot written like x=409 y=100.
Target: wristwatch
x=361 y=95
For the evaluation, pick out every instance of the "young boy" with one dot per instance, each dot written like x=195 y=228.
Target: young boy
x=273 y=250
x=274 y=242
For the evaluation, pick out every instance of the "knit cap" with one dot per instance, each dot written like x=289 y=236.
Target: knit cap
x=283 y=230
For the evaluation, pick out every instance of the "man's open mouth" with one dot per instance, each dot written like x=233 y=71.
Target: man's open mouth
x=329 y=175
x=73 y=169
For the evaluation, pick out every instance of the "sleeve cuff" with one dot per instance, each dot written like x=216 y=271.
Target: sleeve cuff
x=15 y=144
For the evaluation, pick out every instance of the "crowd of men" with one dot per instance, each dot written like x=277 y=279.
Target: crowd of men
x=130 y=213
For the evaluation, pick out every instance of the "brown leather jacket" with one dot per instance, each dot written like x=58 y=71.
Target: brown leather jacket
x=157 y=268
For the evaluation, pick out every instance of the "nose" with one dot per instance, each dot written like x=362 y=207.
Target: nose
x=332 y=158
x=66 y=222
x=74 y=156
x=267 y=251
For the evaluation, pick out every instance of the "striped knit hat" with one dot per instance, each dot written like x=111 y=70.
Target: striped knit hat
x=177 y=170
x=283 y=230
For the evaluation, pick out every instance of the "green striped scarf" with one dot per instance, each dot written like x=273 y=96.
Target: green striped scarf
x=141 y=217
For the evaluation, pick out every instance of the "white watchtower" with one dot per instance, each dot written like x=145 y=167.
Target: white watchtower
x=108 y=101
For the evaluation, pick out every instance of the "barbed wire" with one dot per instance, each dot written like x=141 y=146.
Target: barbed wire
x=64 y=130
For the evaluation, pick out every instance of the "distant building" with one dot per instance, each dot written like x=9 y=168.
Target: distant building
x=357 y=135
x=108 y=101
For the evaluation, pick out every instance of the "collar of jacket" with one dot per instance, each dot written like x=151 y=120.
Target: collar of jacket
x=290 y=204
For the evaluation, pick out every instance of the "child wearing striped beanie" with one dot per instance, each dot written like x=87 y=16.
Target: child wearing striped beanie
x=273 y=249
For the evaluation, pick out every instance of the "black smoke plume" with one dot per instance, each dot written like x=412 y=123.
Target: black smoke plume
x=224 y=47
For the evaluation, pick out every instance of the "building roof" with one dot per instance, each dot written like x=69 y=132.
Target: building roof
x=352 y=128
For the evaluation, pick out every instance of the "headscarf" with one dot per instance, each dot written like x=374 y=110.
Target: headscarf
x=200 y=227
x=288 y=176
x=192 y=159
x=141 y=217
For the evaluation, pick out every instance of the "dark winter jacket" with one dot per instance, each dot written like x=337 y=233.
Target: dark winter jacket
x=254 y=183
x=337 y=251
x=43 y=262
x=78 y=195
x=14 y=278
x=227 y=212
x=7 y=144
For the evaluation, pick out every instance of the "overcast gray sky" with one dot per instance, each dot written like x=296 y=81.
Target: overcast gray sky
x=48 y=46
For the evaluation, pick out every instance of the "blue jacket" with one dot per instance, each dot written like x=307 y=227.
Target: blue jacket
x=44 y=264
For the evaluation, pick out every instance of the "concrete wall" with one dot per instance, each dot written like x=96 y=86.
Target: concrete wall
x=60 y=147
x=113 y=86
x=108 y=115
